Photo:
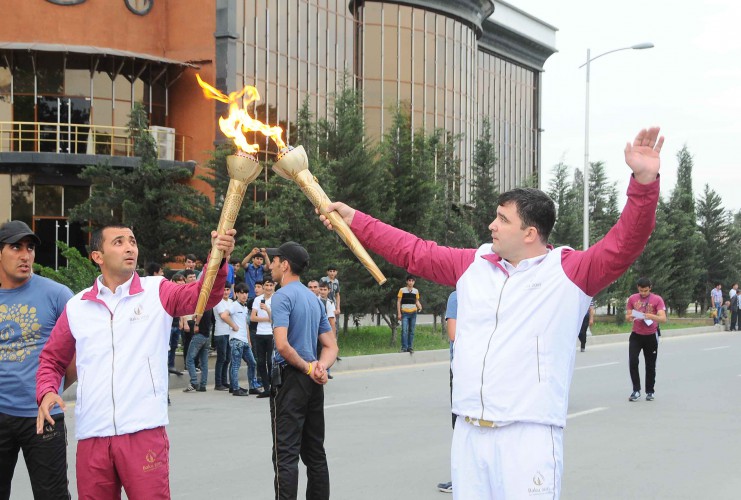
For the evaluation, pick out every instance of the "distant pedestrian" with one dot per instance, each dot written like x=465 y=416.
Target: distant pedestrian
x=585 y=324
x=407 y=307
x=334 y=287
x=645 y=310
x=221 y=339
x=451 y=315
x=735 y=323
x=716 y=297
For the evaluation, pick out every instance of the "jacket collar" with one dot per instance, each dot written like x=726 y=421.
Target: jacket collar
x=92 y=294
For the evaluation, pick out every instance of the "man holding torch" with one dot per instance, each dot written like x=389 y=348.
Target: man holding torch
x=120 y=329
x=513 y=367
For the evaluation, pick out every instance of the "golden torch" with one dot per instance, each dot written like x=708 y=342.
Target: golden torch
x=242 y=168
x=293 y=164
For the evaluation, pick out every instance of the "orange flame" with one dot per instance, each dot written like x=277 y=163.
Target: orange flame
x=239 y=121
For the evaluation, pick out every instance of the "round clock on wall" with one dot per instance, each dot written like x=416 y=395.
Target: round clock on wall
x=139 y=7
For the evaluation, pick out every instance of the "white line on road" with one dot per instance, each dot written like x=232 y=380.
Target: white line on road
x=585 y=412
x=357 y=402
x=716 y=348
x=596 y=366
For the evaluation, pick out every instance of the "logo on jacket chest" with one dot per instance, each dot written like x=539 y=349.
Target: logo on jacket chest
x=139 y=314
x=532 y=286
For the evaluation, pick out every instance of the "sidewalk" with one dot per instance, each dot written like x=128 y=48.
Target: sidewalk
x=375 y=361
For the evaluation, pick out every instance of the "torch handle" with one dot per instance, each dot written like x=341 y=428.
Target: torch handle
x=232 y=202
x=311 y=188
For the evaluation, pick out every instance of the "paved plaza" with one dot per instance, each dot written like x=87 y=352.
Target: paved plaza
x=388 y=431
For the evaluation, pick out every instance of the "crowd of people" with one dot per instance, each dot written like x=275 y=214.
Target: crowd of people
x=113 y=339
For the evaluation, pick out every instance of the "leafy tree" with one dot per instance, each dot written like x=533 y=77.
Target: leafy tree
x=484 y=187
x=719 y=250
x=657 y=259
x=603 y=210
x=77 y=275
x=567 y=230
x=156 y=203
x=685 y=268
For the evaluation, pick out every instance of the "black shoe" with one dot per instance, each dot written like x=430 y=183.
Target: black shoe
x=241 y=392
x=339 y=358
x=265 y=394
x=222 y=388
x=445 y=487
x=583 y=349
x=201 y=388
x=257 y=390
x=403 y=350
x=330 y=377
x=174 y=370
x=635 y=396
x=410 y=350
x=649 y=396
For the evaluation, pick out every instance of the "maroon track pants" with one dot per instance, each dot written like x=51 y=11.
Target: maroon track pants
x=140 y=462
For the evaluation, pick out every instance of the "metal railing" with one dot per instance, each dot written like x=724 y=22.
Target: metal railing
x=63 y=138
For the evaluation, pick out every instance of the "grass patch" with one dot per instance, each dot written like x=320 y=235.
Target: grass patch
x=376 y=340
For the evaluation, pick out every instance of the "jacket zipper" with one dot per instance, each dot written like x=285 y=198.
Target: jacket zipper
x=113 y=372
x=151 y=377
x=483 y=366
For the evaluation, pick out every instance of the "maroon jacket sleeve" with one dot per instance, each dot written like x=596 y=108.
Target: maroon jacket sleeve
x=443 y=265
x=181 y=300
x=594 y=269
x=55 y=358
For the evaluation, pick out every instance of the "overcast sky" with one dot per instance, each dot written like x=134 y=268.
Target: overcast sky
x=689 y=84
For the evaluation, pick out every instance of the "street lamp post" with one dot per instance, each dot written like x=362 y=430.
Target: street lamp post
x=639 y=46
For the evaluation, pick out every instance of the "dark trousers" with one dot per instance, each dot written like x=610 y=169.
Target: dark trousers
x=262 y=346
x=735 y=323
x=221 y=371
x=45 y=456
x=297 y=422
x=650 y=346
x=583 y=331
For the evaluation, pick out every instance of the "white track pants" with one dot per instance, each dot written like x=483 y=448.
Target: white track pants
x=517 y=461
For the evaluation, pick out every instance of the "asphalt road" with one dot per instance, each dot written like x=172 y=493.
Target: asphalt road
x=388 y=432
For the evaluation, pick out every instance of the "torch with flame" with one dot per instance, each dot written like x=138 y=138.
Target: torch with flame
x=292 y=164
x=242 y=168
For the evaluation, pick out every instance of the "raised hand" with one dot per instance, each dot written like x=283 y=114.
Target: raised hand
x=643 y=155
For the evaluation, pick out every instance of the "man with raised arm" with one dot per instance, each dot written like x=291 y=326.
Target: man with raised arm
x=513 y=365
x=120 y=330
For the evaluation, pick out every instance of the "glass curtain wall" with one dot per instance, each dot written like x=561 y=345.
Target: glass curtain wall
x=293 y=51
x=424 y=61
x=507 y=96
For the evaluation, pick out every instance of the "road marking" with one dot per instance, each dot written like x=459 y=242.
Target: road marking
x=585 y=412
x=597 y=366
x=716 y=348
x=357 y=402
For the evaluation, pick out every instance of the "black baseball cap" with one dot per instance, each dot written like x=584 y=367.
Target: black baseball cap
x=15 y=230
x=292 y=252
